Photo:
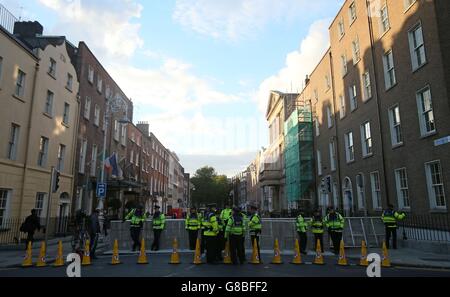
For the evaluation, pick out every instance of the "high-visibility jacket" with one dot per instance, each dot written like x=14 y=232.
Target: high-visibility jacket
x=301 y=225
x=254 y=225
x=220 y=223
x=235 y=226
x=335 y=223
x=211 y=228
x=225 y=215
x=201 y=218
x=159 y=221
x=136 y=221
x=317 y=226
x=193 y=222
x=390 y=218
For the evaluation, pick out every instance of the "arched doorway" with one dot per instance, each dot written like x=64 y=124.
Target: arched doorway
x=348 y=197
x=63 y=214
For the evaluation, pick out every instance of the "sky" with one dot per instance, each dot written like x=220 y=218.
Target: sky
x=199 y=71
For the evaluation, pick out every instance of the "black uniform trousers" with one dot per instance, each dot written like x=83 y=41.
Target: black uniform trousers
x=336 y=238
x=237 y=249
x=135 y=234
x=220 y=245
x=156 y=236
x=211 y=249
x=318 y=236
x=193 y=234
x=391 y=231
x=202 y=242
x=254 y=236
x=303 y=241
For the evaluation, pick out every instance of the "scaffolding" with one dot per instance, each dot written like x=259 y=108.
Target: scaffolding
x=299 y=166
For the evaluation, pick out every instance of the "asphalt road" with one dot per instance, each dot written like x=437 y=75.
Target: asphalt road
x=158 y=267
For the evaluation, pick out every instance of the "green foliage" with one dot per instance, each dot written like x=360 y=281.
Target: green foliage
x=210 y=187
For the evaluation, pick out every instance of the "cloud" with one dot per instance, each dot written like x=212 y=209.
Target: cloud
x=238 y=19
x=298 y=64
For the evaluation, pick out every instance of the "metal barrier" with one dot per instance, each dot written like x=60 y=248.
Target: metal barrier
x=7 y=19
x=434 y=228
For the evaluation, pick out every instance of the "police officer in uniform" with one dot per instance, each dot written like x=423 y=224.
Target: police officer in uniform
x=255 y=227
x=335 y=224
x=158 y=225
x=235 y=231
x=390 y=218
x=220 y=236
x=225 y=215
x=317 y=228
x=193 y=222
x=202 y=215
x=210 y=233
x=302 y=227
x=137 y=219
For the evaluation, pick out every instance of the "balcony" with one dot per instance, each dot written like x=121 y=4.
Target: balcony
x=271 y=174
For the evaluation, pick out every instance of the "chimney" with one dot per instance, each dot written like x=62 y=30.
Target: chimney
x=28 y=29
x=144 y=127
x=307 y=80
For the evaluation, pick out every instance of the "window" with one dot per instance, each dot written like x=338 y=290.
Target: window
x=94 y=160
x=133 y=137
x=342 y=109
x=87 y=108
x=395 y=124
x=20 y=84
x=426 y=114
x=356 y=51
x=401 y=180
x=108 y=92
x=332 y=156
x=389 y=70
x=52 y=68
x=132 y=157
x=66 y=114
x=104 y=122
x=360 y=191
x=329 y=117
x=40 y=203
x=344 y=69
x=124 y=134
x=4 y=197
x=319 y=163
x=316 y=124
x=91 y=74
x=353 y=95
x=96 y=115
x=376 y=190
x=48 y=109
x=349 y=147
x=327 y=82
x=367 y=87
x=435 y=184
x=341 y=28
x=116 y=130
x=69 y=84
x=43 y=152
x=408 y=3
x=366 y=139
x=61 y=157
x=384 y=19
x=82 y=161
x=13 y=142
x=99 y=85
x=137 y=159
x=417 y=47
x=352 y=12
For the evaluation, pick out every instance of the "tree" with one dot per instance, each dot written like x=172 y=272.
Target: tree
x=209 y=187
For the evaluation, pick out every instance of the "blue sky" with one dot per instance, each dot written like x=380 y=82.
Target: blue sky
x=199 y=71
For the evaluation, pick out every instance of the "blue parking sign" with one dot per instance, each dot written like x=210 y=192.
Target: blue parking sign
x=101 y=190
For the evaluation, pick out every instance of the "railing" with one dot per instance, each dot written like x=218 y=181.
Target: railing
x=10 y=229
x=7 y=19
x=434 y=227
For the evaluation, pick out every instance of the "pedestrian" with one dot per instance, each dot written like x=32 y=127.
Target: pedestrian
x=158 y=225
x=390 y=218
x=335 y=224
x=302 y=227
x=235 y=231
x=255 y=227
x=210 y=234
x=193 y=222
x=106 y=223
x=220 y=236
x=317 y=228
x=137 y=219
x=29 y=226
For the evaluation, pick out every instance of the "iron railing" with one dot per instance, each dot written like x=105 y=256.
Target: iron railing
x=7 y=19
x=434 y=227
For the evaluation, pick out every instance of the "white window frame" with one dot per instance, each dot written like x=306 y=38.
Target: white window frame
x=99 y=85
x=390 y=77
x=137 y=159
x=317 y=126
x=367 y=86
x=342 y=109
x=352 y=12
x=43 y=151
x=66 y=113
x=395 y=125
x=123 y=139
x=353 y=95
x=5 y=199
x=90 y=74
x=329 y=117
x=116 y=130
x=87 y=107
x=375 y=184
x=349 y=147
x=401 y=183
x=385 y=23
x=97 y=115
x=13 y=142
x=61 y=157
x=366 y=139
x=431 y=186
x=52 y=68
x=341 y=28
x=94 y=153
x=132 y=157
x=423 y=113
x=332 y=148
x=344 y=68
x=356 y=50
x=408 y=3
x=360 y=192
x=69 y=84
x=83 y=152
x=40 y=204
x=49 y=99
x=20 y=83
x=417 y=47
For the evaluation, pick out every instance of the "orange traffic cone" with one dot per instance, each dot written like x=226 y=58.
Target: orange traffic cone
x=115 y=257
x=385 y=262
x=197 y=254
x=319 y=257
x=86 y=254
x=363 y=261
x=28 y=260
x=142 y=259
x=297 y=256
x=41 y=260
x=255 y=257
x=59 y=257
x=342 y=259
x=175 y=257
x=227 y=255
x=277 y=254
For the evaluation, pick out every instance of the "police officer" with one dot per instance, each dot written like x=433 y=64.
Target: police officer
x=137 y=219
x=220 y=236
x=235 y=231
x=335 y=224
x=192 y=222
x=390 y=218
x=202 y=215
x=225 y=215
x=255 y=227
x=317 y=228
x=302 y=227
x=210 y=233
x=158 y=225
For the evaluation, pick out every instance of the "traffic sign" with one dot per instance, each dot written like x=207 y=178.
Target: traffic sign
x=101 y=190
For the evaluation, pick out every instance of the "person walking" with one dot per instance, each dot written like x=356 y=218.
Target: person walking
x=302 y=227
x=317 y=228
x=235 y=231
x=390 y=218
x=94 y=231
x=137 y=219
x=334 y=222
x=193 y=222
x=29 y=226
x=158 y=225
x=255 y=228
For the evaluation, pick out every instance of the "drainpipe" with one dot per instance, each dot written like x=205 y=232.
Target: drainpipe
x=74 y=148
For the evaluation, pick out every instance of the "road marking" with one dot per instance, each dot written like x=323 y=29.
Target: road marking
x=421 y=268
